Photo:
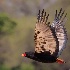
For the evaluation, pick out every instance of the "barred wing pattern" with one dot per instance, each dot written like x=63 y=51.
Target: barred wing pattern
x=60 y=31
x=45 y=39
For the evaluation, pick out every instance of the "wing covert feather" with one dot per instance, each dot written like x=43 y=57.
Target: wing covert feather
x=44 y=37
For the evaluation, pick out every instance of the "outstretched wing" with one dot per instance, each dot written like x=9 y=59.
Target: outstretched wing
x=45 y=38
x=58 y=26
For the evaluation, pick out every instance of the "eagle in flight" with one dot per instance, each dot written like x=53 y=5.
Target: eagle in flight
x=50 y=39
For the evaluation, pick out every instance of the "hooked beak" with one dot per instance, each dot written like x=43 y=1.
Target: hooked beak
x=60 y=61
x=23 y=55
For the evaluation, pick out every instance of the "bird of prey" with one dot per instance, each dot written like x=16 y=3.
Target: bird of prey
x=50 y=39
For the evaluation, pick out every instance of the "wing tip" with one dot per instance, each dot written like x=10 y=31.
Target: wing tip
x=42 y=17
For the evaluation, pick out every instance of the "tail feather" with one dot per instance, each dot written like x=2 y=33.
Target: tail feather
x=60 y=61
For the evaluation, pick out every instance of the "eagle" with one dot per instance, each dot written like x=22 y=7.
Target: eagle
x=50 y=39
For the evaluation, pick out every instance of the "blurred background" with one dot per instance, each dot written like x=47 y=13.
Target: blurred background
x=17 y=23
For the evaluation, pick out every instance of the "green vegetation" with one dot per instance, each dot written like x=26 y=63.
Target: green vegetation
x=27 y=67
x=6 y=24
x=2 y=67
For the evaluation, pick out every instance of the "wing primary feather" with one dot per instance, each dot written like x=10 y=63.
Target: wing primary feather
x=42 y=14
x=47 y=17
x=60 y=16
x=48 y=23
x=59 y=13
x=44 y=17
x=38 y=16
x=65 y=15
x=56 y=15
x=63 y=18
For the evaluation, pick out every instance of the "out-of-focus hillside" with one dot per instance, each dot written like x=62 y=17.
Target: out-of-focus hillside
x=17 y=23
x=23 y=7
